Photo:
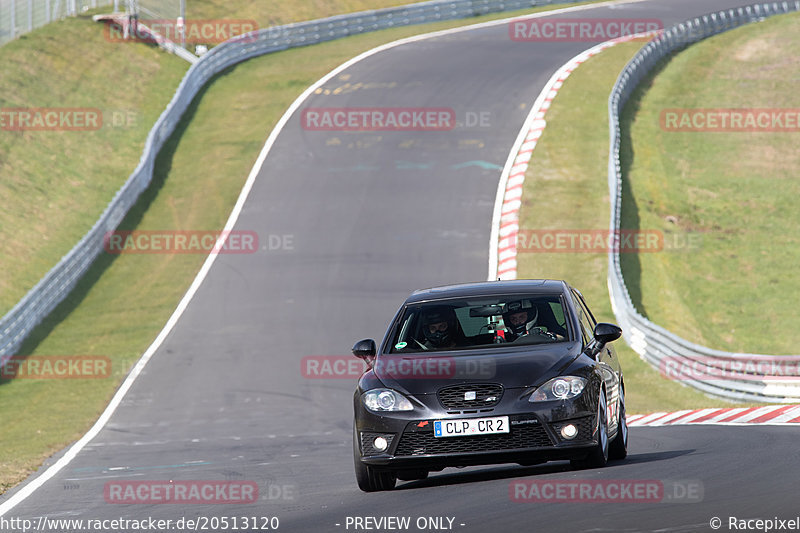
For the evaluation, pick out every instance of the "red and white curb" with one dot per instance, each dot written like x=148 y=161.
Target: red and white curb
x=767 y=415
x=503 y=261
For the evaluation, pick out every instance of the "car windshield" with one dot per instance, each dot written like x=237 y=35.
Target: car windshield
x=484 y=322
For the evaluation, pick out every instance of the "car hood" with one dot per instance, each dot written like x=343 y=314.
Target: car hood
x=425 y=374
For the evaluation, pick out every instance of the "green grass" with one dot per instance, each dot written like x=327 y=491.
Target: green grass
x=55 y=184
x=736 y=191
x=282 y=12
x=123 y=301
x=566 y=187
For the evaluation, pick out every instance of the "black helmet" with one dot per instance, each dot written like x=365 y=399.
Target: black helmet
x=436 y=315
x=516 y=307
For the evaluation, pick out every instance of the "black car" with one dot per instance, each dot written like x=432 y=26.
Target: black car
x=484 y=373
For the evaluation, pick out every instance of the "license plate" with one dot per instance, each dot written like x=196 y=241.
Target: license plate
x=470 y=426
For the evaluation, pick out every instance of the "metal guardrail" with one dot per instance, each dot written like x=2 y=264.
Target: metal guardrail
x=60 y=280
x=746 y=377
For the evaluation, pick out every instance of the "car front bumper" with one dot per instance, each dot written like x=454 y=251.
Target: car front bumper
x=531 y=440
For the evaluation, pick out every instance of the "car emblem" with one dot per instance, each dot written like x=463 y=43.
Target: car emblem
x=470 y=395
x=490 y=399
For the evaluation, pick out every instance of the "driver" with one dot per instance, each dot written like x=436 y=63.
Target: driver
x=519 y=318
x=440 y=327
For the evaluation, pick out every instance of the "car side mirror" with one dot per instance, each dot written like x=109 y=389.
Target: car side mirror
x=365 y=349
x=605 y=332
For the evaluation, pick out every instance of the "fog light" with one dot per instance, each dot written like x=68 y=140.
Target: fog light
x=569 y=431
x=380 y=444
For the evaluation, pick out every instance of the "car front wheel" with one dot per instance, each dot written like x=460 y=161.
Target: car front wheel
x=598 y=457
x=619 y=446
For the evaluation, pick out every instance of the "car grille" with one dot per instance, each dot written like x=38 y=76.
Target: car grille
x=486 y=395
x=424 y=443
x=585 y=427
x=367 y=438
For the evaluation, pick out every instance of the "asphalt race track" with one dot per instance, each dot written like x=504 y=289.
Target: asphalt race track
x=363 y=219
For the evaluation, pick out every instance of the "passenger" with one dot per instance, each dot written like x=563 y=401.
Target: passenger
x=440 y=327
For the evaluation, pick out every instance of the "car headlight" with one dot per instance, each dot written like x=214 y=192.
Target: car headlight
x=560 y=388
x=379 y=400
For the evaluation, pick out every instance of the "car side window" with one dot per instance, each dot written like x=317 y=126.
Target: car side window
x=558 y=313
x=404 y=329
x=585 y=319
x=588 y=312
x=580 y=319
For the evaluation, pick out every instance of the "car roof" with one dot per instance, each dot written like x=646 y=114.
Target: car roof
x=489 y=288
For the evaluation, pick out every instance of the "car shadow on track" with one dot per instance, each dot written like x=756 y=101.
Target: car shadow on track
x=653 y=456
x=458 y=477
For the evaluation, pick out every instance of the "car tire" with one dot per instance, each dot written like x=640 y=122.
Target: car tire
x=598 y=456
x=618 y=449
x=368 y=478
